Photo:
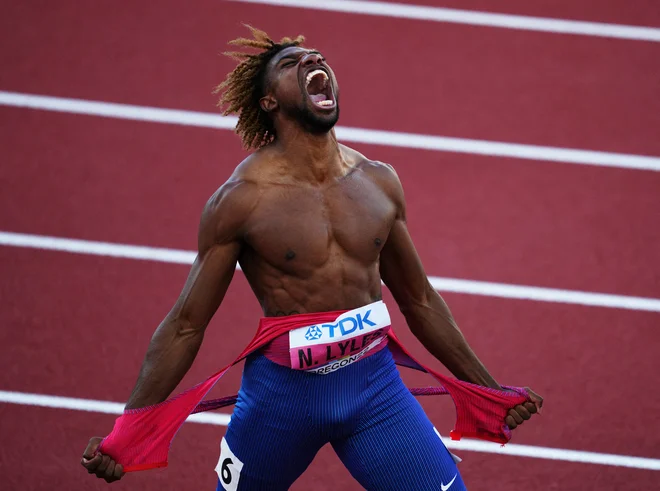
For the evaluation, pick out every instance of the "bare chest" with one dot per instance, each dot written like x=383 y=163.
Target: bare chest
x=300 y=227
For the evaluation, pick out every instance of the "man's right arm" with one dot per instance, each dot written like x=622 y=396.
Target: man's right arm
x=177 y=339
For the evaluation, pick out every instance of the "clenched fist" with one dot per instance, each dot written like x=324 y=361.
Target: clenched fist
x=102 y=466
x=523 y=412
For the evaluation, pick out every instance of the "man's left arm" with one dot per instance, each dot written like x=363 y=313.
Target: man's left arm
x=426 y=313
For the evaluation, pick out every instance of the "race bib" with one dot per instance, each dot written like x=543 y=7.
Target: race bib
x=325 y=348
x=229 y=467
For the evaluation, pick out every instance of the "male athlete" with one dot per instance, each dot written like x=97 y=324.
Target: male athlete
x=315 y=226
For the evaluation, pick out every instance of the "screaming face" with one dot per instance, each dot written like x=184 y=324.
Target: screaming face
x=316 y=84
x=302 y=86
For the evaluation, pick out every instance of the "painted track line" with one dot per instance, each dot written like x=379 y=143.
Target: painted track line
x=221 y=419
x=95 y=406
x=473 y=18
x=345 y=134
x=454 y=285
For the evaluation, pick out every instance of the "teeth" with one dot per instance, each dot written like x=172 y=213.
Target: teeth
x=326 y=102
x=313 y=73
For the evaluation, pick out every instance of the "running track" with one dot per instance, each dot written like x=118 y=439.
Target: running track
x=77 y=325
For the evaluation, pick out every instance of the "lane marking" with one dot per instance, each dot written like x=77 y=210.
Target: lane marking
x=346 y=134
x=221 y=419
x=95 y=406
x=454 y=285
x=474 y=18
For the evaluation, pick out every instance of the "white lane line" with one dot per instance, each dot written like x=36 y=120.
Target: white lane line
x=514 y=449
x=474 y=18
x=117 y=110
x=345 y=134
x=220 y=419
x=94 y=248
x=454 y=285
x=540 y=294
x=95 y=406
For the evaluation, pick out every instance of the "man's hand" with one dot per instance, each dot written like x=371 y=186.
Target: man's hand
x=100 y=465
x=523 y=412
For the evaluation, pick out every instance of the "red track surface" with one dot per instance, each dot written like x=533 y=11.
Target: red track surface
x=78 y=326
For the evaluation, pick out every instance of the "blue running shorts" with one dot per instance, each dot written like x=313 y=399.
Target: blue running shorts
x=377 y=428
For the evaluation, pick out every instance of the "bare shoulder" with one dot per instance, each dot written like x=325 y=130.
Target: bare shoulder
x=382 y=174
x=228 y=209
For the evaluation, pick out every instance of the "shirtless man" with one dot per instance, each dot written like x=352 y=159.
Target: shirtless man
x=315 y=226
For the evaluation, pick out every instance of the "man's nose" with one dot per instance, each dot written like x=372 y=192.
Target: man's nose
x=312 y=59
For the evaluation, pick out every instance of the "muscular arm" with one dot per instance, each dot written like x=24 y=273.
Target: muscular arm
x=425 y=311
x=177 y=339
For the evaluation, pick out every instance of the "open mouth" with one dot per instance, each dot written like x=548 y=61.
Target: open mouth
x=318 y=89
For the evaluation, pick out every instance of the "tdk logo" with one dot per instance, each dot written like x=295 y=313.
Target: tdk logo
x=313 y=332
x=347 y=325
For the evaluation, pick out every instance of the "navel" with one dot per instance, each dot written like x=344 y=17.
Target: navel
x=378 y=242
x=289 y=255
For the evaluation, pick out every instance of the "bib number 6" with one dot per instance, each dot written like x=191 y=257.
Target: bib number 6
x=225 y=471
x=228 y=468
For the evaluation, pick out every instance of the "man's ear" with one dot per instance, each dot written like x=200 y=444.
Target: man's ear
x=268 y=103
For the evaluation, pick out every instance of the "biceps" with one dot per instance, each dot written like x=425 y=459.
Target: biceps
x=401 y=267
x=207 y=283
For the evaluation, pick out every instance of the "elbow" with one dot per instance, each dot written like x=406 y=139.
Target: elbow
x=412 y=303
x=184 y=326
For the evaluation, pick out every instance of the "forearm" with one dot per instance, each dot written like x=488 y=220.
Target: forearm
x=432 y=323
x=171 y=352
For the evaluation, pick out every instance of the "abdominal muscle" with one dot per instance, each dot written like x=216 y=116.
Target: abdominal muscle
x=338 y=285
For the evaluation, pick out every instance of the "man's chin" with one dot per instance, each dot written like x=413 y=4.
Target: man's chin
x=317 y=122
x=313 y=121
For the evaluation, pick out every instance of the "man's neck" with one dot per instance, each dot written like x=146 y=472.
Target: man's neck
x=312 y=157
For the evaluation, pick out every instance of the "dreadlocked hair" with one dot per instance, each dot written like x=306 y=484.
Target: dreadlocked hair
x=245 y=86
